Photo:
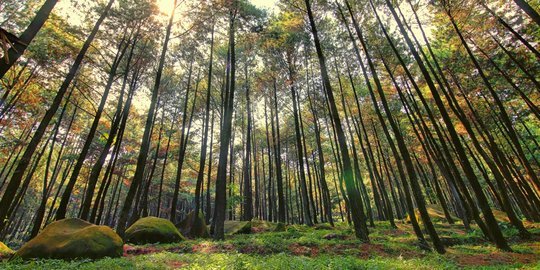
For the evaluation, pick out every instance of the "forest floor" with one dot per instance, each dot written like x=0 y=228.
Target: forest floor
x=321 y=247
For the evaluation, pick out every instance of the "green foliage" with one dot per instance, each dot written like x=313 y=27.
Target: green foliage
x=167 y=260
x=54 y=44
x=280 y=227
x=236 y=198
x=302 y=247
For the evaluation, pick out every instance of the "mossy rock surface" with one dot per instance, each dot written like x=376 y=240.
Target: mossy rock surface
x=193 y=226
x=258 y=226
x=152 y=230
x=73 y=238
x=5 y=250
x=435 y=212
x=237 y=227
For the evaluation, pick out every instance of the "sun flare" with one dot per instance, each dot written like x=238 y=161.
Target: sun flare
x=165 y=6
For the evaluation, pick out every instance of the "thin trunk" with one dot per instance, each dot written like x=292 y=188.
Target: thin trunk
x=145 y=145
x=62 y=209
x=225 y=134
x=204 y=143
x=23 y=163
x=19 y=45
x=353 y=193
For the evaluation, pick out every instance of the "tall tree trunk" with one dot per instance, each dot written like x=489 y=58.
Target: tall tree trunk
x=144 y=203
x=322 y=173
x=277 y=159
x=19 y=45
x=527 y=8
x=209 y=176
x=145 y=145
x=353 y=193
x=467 y=168
x=248 y=195
x=299 y=148
x=502 y=111
x=182 y=148
x=43 y=203
x=96 y=169
x=62 y=208
x=226 y=130
x=204 y=143
x=23 y=163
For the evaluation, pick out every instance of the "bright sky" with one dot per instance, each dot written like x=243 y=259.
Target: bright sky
x=166 y=6
x=267 y=4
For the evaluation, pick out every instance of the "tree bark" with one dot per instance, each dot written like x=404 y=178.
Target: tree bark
x=23 y=163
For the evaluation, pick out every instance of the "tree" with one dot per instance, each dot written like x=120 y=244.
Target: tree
x=204 y=144
x=353 y=193
x=145 y=145
x=19 y=45
x=24 y=161
x=226 y=127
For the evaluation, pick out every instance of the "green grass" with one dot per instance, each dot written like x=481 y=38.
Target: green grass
x=300 y=247
x=164 y=260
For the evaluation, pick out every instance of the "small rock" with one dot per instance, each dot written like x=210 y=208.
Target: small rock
x=331 y=236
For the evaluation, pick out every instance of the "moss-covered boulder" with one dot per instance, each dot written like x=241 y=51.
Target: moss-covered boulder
x=193 y=226
x=436 y=213
x=237 y=227
x=152 y=230
x=258 y=226
x=73 y=238
x=5 y=250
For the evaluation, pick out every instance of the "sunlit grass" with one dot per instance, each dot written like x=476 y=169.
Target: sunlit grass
x=301 y=247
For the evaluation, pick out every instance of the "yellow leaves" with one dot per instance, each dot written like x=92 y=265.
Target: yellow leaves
x=290 y=22
x=284 y=30
x=460 y=128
